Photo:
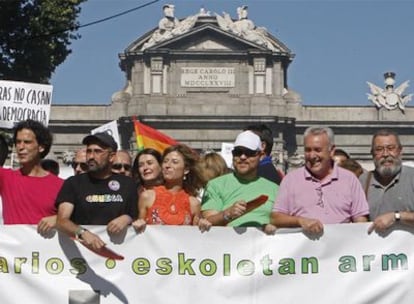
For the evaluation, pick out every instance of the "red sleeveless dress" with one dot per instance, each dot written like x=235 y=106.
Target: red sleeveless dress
x=169 y=208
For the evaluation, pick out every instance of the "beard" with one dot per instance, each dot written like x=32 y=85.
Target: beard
x=388 y=171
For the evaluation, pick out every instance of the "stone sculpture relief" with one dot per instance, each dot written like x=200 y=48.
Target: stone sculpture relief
x=169 y=26
x=389 y=98
x=245 y=28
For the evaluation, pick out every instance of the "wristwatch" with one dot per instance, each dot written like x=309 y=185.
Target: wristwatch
x=397 y=216
x=79 y=232
x=226 y=217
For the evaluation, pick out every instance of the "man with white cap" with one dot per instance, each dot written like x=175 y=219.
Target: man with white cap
x=97 y=197
x=225 y=199
x=320 y=192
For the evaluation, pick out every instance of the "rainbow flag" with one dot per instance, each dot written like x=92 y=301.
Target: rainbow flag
x=148 y=137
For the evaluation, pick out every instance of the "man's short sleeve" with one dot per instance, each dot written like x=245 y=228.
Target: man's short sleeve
x=211 y=198
x=67 y=192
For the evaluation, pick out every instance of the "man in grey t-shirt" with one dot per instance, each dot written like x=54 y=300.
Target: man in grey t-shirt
x=390 y=187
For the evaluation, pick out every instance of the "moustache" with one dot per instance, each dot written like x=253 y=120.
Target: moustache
x=91 y=162
x=388 y=158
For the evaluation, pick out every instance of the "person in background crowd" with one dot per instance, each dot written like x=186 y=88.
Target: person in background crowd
x=50 y=165
x=353 y=166
x=79 y=164
x=4 y=150
x=390 y=187
x=212 y=165
x=98 y=197
x=225 y=198
x=266 y=167
x=28 y=194
x=340 y=156
x=175 y=202
x=146 y=169
x=122 y=163
x=320 y=192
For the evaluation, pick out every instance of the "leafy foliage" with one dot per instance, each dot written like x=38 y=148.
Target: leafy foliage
x=35 y=36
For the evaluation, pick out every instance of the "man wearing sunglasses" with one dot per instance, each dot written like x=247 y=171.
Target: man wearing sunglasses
x=320 y=192
x=225 y=200
x=79 y=164
x=389 y=187
x=97 y=197
x=122 y=163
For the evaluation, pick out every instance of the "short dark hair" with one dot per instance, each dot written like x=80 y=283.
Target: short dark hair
x=341 y=152
x=43 y=135
x=385 y=132
x=4 y=150
x=50 y=165
x=265 y=134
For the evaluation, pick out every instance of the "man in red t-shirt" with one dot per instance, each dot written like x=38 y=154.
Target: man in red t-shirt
x=29 y=194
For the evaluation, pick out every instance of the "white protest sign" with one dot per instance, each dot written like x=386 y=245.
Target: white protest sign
x=111 y=128
x=23 y=100
x=225 y=152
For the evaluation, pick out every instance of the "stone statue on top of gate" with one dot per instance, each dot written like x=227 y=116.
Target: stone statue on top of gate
x=390 y=98
x=245 y=28
x=169 y=26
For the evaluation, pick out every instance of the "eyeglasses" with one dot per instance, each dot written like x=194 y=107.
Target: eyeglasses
x=237 y=152
x=119 y=166
x=83 y=166
x=381 y=149
x=320 y=197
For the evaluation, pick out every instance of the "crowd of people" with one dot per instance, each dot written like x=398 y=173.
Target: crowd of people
x=179 y=186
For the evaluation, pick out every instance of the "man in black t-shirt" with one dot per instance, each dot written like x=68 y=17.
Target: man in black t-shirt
x=98 y=197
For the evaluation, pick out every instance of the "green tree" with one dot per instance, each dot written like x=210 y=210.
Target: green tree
x=35 y=36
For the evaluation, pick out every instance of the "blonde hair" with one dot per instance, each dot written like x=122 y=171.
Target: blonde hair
x=212 y=165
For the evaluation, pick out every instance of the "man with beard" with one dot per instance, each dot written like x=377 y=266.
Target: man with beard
x=225 y=198
x=321 y=192
x=97 y=197
x=389 y=187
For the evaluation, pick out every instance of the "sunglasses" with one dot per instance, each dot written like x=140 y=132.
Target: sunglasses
x=120 y=166
x=237 y=152
x=83 y=166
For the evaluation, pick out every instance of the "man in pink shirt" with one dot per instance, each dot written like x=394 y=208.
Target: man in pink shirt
x=29 y=194
x=320 y=192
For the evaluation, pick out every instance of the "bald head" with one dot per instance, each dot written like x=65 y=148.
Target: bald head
x=122 y=163
x=79 y=164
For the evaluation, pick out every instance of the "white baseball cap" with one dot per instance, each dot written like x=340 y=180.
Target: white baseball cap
x=249 y=140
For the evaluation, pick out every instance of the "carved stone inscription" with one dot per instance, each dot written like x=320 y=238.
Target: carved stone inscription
x=207 y=77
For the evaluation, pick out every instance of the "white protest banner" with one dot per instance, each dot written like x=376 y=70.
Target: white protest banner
x=171 y=264
x=225 y=152
x=23 y=100
x=112 y=129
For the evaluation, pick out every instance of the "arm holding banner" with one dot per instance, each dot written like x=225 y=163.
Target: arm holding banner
x=222 y=218
x=385 y=221
x=282 y=220
x=46 y=225
x=65 y=225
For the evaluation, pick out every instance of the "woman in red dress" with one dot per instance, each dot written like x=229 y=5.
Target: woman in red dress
x=175 y=202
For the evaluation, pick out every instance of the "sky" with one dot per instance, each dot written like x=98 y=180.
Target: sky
x=339 y=45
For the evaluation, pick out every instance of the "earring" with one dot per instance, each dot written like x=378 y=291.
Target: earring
x=185 y=177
